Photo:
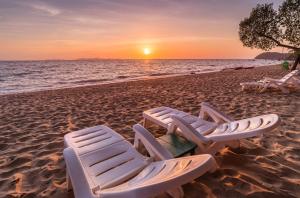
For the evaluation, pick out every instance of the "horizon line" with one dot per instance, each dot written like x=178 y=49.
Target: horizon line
x=96 y=59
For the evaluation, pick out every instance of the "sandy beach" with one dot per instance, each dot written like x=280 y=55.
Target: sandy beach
x=32 y=126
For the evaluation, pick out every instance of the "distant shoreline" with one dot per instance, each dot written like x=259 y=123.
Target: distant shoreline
x=108 y=59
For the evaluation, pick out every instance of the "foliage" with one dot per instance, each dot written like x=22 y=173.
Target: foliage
x=267 y=28
x=289 y=17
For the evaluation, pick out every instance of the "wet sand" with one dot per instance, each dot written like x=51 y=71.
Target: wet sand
x=32 y=126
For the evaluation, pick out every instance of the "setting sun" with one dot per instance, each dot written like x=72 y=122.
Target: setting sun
x=147 y=51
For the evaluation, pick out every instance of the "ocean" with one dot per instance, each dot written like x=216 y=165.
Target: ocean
x=28 y=76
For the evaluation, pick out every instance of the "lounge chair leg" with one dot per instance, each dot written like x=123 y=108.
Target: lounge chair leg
x=243 y=87
x=176 y=193
x=263 y=89
x=172 y=129
x=215 y=167
x=136 y=143
x=215 y=147
x=145 y=123
x=69 y=184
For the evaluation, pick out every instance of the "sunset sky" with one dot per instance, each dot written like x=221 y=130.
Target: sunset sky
x=71 y=29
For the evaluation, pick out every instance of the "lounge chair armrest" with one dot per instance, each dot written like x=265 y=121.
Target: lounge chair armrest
x=187 y=131
x=209 y=111
x=75 y=170
x=155 y=149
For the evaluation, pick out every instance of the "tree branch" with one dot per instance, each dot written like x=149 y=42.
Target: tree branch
x=278 y=43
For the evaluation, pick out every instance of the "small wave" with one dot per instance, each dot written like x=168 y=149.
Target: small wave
x=160 y=74
x=251 y=67
x=24 y=74
x=90 y=81
x=206 y=70
x=122 y=77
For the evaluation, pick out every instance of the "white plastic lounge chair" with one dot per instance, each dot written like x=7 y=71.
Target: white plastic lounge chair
x=289 y=80
x=119 y=170
x=91 y=139
x=210 y=136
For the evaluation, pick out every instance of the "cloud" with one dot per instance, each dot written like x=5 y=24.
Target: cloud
x=52 y=11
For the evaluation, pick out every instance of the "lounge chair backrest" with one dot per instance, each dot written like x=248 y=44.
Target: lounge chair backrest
x=111 y=166
x=92 y=138
x=288 y=76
